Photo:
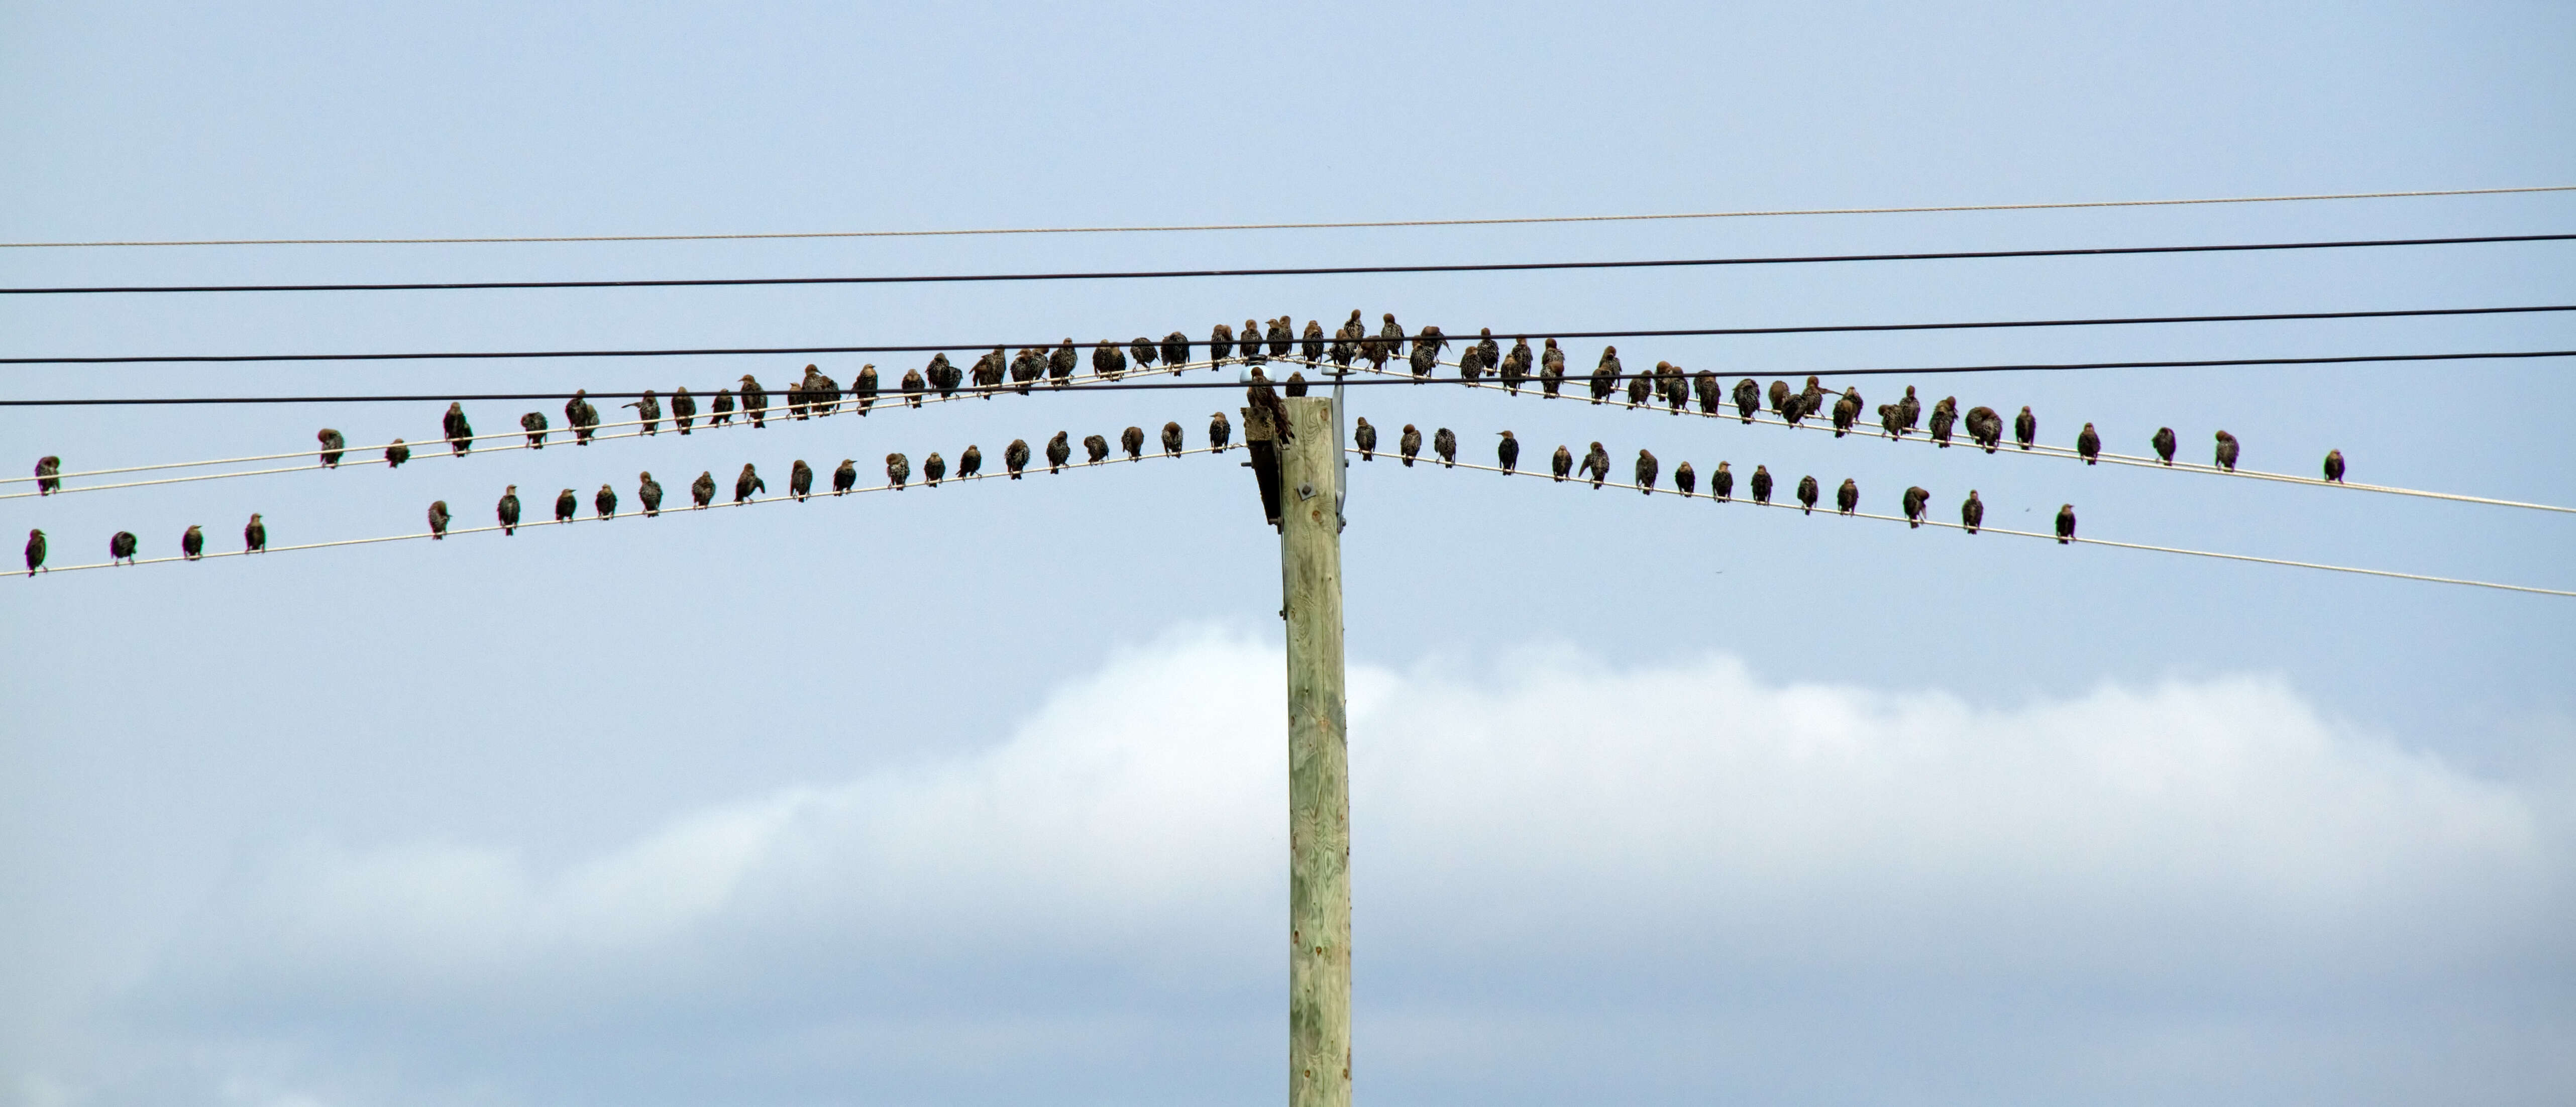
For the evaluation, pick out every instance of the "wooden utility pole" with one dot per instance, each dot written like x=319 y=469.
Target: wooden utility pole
x=1305 y=504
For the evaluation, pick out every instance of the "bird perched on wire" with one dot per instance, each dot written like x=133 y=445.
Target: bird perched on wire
x=1445 y=444
x=971 y=462
x=755 y=402
x=1061 y=362
x=1647 y=468
x=1597 y=463
x=1813 y=396
x=2088 y=443
x=988 y=372
x=1985 y=427
x=1409 y=444
x=797 y=393
x=684 y=409
x=846 y=477
x=2026 y=429
x=912 y=387
x=1761 y=485
x=1917 y=499
x=1132 y=440
x=1220 y=432
x=1909 y=412
x=1390 y=342
x=898 y=470
x=1310 y=342
x=2065 y=524
x=1248 y=344
x=943 y=376
x=460 y=434
x=1721 y=484
x=1516 y=366
x=649 y=493
x=1605 y=376
x=1296 y=384
x=396 y=454
x=1015 y=457
x=1944 y=415
x=748 y=483
x=1807 y=491
x=1176 y=351
x=1891 y=424
x=567 y=506
x=648 y=411
x=1668 y=380
x=1712 y=395
x=534 y=423
x=2227 y=449
x=2164 y=442
x=863 y=389
x=1685 y=480
x=48 y=478
x=720 y=410
x=1364 y=436
x=1638 y=386
x=1748 y=398
x=1282 y=339
x=800 y=480
x=332 y=447
x=605 y=502
x=1972 y=512
x=1347 y=340
x=1561 y=465
x=121 y=546
x=1485 y=354
x=1551 y=369
x=1172 y=441
x=1059 y=451
x=1780 y=395
x=1108 y=361
x=2334 y=466
x=437 y=520
x=1508 y=452
x=1142 y=349
x=507 y=511
x=703 y=491
x=933 y=468
x=254 y=534
x=1846 y=412
x=1847 y=497
x=1426 y=351
x=825 y=393
x=192 y=543
x=918 y=383
x=1263 y=398
x=35 y=551
x=1220 y=344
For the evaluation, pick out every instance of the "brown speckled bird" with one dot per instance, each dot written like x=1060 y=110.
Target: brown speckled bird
x=1561 y=466
x=2227 y=450
x=1059 y=452
x=507 y=511
x=1551 y=369
x=1917 y=499
x=933 y=468
x=1015 y=457
x=1605 y=374
x=971 y=462
x=1172 y=441
x=332 y=447
x=863 y=389
x=1220 y=432
x=1508 y=452
x=2088 y=444
x=2065 y=524
x=1972 y=512
x=2334 y=466
x=567 y=506
x=648 y=492
x=581 y=417
x=703 y=490
x=755 y=401
x=192 y=543
x=1721 y=484
x=1132 y=440
x=1364 y=436
x=1807 y=491
x=1985 y=427
x=1516 y=366
x=1647 y=469
x=1944 y=416
x=1176 y=350
x=684 y=409
x=1311 y=342
x=396 y=454
x=800 y=480
x=846 y=477
x=1685 y=479
x=912 y=388
x=1761 y=485
x=605 y=502
x=2164 y=442
x=1445 y=444
x=1409 y=444
x=1597 y=463
x=748 y=483
x=1847 y=497
x=2026 y=429
x=437 y=519
x=1748 y=399
x=534 y=423
x=255 y=534
x=898 y=469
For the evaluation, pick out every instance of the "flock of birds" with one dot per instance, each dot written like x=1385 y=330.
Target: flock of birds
x=818 y=394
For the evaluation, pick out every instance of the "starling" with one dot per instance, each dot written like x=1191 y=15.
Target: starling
x=988 y=372
x=797 y=394
x=755 y=402
x=649 y=411
x=1348 y=339
x=720 y=412
x=912 y=387
x=1685 y=479
x=1059 y=452
x=1481 y=356
x=1761 y=485
x=748 y=483
x=396 y=454
x=460 y=434
x=1172 y=443
x=35 y=551
x=254 y=534
x=1132 y=440
x=192 y=545
x=800 y=480
x=1638 y=386
x=1061 y=364
x=1027 y=367
x=1807 y=494
x=567 y=506
x=1909 y=412
x=1507 y=452
x=437 y=520
x=507 y=511
x=1846 y=411
x=583 y=417
x=684 y=409
x=2334 y=466
x=971 y=462
x=1142 y=349
x=1985 y=427
x=1711 y=395
x=2227 y=451
x=944 y=376
x=332 y=447
x=863 y=389
x=1516 y=366
x=605 y=502
x=1283 y=339
x=2065 y=524
x=1364 y=436
x=1219 y=432
x=1748 y=398
x=1176 y=350
x=1891 y=422
x=1794 y=409
x=1108 y=361
x=1916 y=498
x=1598 y=464
x=1721 y=484
x=1944 y=414
x=121 y=547
x=1780 y=398
x=1972 y=512
x=1445 y=444
x=703 y=491
x=1220 y=343
x=2088 y=444
x=1264 y=398
x=1605 y=376
x=1015 y=456
x=534 y=423
x=1426 y=351
x=825 y=393
x=1390 y=342
x=1847 y=497
x=1561 y=465
x=933 y=468
x=1248 y=344
x=1409 y=444
x=649 y=493
x=898 y=470
x=846 y=477
x=1669 y=380
x=1814 y=396
x=1311 y=342
x=2164 y=443
x=2026 y=430
x=1646 y=470
x=1296 y=384
x=1551 y=369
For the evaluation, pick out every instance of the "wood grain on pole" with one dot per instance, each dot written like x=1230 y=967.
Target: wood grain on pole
x=1319 y=806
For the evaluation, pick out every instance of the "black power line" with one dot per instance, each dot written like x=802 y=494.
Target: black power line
x=1311 y=271
x=1195 y=343
x=890 y=398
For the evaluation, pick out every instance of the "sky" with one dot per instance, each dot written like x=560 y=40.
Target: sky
x=975 y=794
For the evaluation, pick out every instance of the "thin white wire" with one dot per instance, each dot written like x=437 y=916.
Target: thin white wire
x=1297 y=226
x=636 y=513
x=1676 y=492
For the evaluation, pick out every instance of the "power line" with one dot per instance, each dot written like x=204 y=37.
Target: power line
x=1195 y=343
x=1505 y=221
x=1291 y=271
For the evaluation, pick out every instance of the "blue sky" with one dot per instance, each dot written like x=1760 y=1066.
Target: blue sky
x=973 y=795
